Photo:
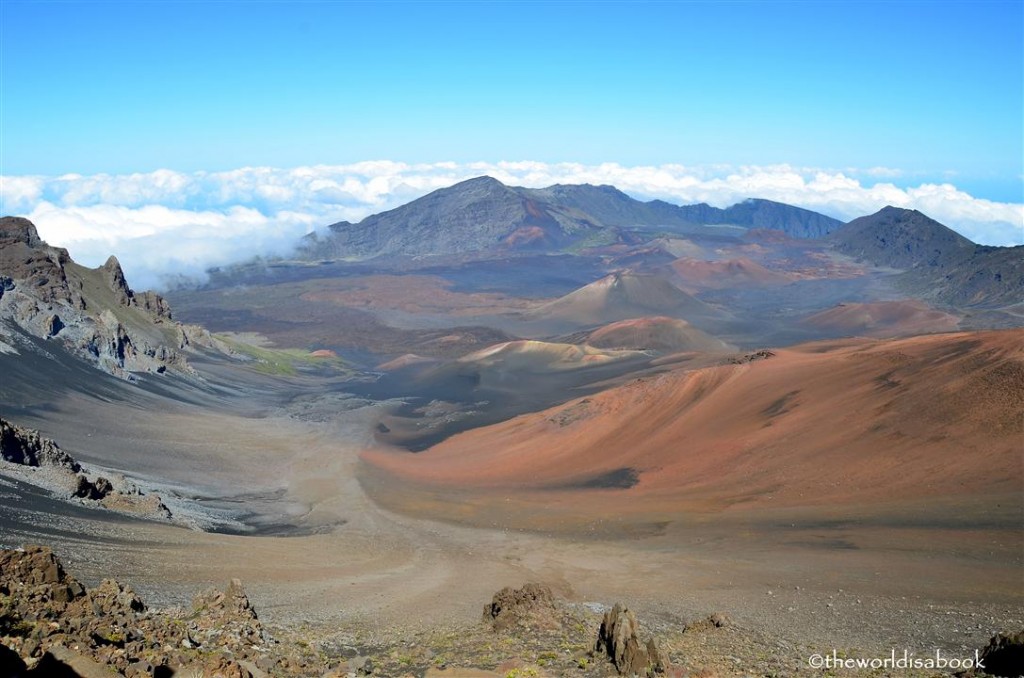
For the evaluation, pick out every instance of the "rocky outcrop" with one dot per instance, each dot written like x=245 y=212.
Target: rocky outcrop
x=717 y=620
x=24 y=256
x=154 y=304
x=115 y=280
x=763 y=354
x=1004 y=654
x=195 y=336
x=531 y=606
x=95 y=490
x=618 y=639
x=91 y=312
x=50 y=623
x=226 y=616
x=48 y=466
x=25 y=446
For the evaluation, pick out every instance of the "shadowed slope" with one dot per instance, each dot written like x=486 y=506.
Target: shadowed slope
x=483 y=215
x=939 y=263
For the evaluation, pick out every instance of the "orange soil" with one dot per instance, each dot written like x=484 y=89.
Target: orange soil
x=883 y=319
x=824 y=424
x=620 y=296
x=655 y=332
x=697 y=274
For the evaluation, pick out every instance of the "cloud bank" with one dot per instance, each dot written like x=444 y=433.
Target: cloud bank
x=164 y=224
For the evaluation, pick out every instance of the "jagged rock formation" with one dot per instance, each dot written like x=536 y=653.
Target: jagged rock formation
x=50 y=623
x=25 y=446
x=60 y=472
x=618 y=639
x=91 y=312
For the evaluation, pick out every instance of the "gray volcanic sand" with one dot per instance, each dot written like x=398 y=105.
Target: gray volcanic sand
x=325 y=554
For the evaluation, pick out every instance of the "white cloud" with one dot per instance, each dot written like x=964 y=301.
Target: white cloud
x=168 y=223
x=155 y=243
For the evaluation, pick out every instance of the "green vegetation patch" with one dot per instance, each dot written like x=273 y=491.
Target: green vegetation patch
x=282 y=361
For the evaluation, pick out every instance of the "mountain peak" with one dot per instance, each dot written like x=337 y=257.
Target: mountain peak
x=113 y=265
x=19 y=229
x=907 y=221
x=893 y=211
x=115 y=279
x=484 y=180
x=902 y=238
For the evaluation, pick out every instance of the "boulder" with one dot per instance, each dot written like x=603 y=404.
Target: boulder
x=1004 y=654
x=93 y=489
x=531 y=605
x=31 y=566
x=112 y=598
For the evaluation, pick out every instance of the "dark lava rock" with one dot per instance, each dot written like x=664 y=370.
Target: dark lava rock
x=111 y=598
x=763 y=354
x=1004 y=655
x=618 y=639
x=32 y=566
x=25 y=446
x=93 y=489
x=532 y=605
x=717 y=620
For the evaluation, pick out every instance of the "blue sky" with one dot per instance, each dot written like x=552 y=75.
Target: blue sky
x=183 y=135
x=932 y=89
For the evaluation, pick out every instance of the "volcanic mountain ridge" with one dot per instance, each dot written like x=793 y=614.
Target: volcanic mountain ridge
x=484 y=215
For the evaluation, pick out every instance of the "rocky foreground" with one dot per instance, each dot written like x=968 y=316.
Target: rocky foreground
x=53 y=625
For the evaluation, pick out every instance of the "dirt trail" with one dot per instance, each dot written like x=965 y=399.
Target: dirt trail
x=354 y=564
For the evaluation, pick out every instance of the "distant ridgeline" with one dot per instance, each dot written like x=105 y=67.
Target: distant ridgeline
x=483 y=217
x=483 y=214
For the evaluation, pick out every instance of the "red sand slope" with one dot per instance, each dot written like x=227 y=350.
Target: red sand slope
x=620 y=296
x=883 y=319
x=742 y=272
x=851 y=422
x=659 y=333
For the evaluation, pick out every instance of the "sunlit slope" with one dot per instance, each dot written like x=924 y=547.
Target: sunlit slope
x=848 y=422
x=658 y=333
x=621 y=296
x=882 y=319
